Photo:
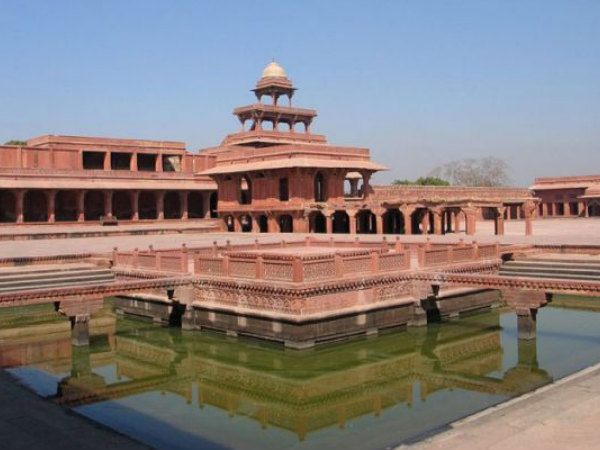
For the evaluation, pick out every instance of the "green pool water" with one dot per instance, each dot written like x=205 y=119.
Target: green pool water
x=190 y=390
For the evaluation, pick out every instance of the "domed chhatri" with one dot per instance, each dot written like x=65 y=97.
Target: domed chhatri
x=274 y=70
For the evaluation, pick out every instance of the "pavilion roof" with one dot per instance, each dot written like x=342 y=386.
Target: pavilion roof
x=301 y=161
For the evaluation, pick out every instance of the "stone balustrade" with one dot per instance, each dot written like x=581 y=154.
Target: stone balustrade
x=448 y=254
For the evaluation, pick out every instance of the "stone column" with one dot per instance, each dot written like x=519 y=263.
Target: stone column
x=526 y=323
x=272 y=225
x=499 y=225
x=457 y=221
x=328 y=222
x=206 y=204
x=237 y=224
x=108 y=203
x=80 y=195
x=528 y=209
x=133 y=162
x=437 y=222
x=352 y=220
x=470 y=221
x=159 y=165
x=354 y=188
x=51 y=204
x=544 y=209
x=581 y=209
x=19 y=196
x=160 y=205
x=183 y=204
x=107 y=165
x=425 y=222
x=255 y=225
x=407 y=214
x=300 y=224
x=135 y=206
x=379 y=220
x=80 y=334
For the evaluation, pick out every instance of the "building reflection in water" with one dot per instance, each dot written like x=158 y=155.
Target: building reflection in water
x=295 y=391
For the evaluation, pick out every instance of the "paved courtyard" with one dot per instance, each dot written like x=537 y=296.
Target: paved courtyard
x=546 y=231
x=563 y=415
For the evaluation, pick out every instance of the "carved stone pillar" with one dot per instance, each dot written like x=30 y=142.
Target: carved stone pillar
x=183 y=204
x=499 y=221
x=272 y=224
x=437 y=221
x=80 y=206
x=407 y=212
x=470 y=220
x=135 y=206
x=328 y=222
x=160 y=204
x=425 y=222
x=457 y=221
x=19 y=196
x=352 y=220
x=108 y=203
x=528 y=209
x=255 y=224
x=379 y=212
x=51 y=205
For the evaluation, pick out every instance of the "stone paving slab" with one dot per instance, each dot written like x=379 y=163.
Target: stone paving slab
x=29 y=422
x=563 y=415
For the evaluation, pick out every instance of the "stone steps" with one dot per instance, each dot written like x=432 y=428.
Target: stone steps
x=567 y=269
x=48 y=277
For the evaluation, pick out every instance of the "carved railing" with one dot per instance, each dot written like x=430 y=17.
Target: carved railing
x=156 y=260
x=450 y=254
x=300 y=268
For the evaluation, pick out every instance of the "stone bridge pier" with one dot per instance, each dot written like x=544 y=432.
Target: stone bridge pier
x=526 y=303
x=79 y=308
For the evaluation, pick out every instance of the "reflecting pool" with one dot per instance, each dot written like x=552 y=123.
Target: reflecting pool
x=183 y=390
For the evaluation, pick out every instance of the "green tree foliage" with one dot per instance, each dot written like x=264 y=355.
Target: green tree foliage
x=16 y=142
x=423 y=181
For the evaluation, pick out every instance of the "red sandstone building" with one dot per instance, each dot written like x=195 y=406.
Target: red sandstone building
x=577 y=196
x=274 y=175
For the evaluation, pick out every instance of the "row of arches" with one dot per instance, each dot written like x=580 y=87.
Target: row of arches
x=365 y=221
x=72 y=205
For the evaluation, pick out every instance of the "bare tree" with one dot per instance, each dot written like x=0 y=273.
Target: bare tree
x=488 y=171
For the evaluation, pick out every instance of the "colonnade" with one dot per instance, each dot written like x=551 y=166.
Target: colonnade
x=403 y=220
x=51 y=205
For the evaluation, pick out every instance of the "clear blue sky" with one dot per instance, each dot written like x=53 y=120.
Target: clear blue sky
x=418 y=82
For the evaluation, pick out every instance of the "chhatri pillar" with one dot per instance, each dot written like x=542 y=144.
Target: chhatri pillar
x=352 y=220
x=499 y=221
x=528 y=210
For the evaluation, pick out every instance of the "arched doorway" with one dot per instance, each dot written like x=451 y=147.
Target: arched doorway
x=35 y=207
x=93 y=205
x=195 y=205
x=229 y=225
x=246 y=223
x=393 y=222
x=341 y=222
x=214 y=203
x=245 y=191
x=121 y=205
x=320 y=188
x=286 y=224
x=147 y=205
x=418 y=221
x=8 y=210
x=263 y=223
x=317 y=222
x=366 y=222
x=172 y=205
x=65 y=206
